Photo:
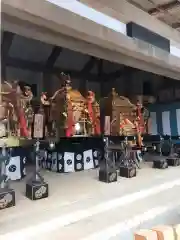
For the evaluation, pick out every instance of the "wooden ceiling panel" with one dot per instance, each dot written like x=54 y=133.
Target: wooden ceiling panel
x=163 y=2
x=175 y=11
x=145 y=5
x=167 y=11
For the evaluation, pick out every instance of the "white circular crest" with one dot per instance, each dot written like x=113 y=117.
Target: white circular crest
x=24 y=160
x=96 y=162
x=79 y=166
x=95 y=154
x=79 y=157
x=24 y=171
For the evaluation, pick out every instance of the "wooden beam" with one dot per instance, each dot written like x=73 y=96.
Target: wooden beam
x=6 y=43
x=100 y=68
x=164 y=7
x=100 y=76
x=138 y=5
x=25 y=65
x=115 y=74
x=85 y=71
x=89 y=65
x=176 y=25
x=56 y=51
x=120 y=72
x=39 y=67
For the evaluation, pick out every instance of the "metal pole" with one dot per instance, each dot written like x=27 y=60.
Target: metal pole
x=3 y=166
x=37 y=159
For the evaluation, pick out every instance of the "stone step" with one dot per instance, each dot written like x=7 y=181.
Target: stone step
x=106 y=219
x=71 y=213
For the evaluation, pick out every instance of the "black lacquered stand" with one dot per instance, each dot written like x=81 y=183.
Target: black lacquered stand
x=7 y=195
x=36 y=187
x=128 y=163
x=156 y=148
x=107 y=171
x=174 y=157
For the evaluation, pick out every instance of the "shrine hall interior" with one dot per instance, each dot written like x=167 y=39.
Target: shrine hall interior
x=39 y=65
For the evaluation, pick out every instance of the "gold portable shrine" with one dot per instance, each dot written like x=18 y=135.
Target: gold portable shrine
x=122 y=114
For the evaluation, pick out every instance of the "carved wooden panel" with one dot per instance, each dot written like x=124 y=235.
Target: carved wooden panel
x=122 y=109
x=38 y=126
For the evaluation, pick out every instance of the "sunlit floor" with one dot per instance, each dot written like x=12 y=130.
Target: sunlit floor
x=81 y=207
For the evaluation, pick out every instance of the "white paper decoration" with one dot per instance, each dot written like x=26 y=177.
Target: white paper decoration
x=88 y=159
x=68 y=162
x=13 y=169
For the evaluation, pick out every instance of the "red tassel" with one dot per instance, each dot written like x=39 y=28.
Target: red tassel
x=97 y=127
x=93 y=119
x=141 y=120
x=23 y=126
x=70 y=122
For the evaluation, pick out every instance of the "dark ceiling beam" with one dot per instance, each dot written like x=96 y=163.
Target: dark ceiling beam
x=6 y=43
x=125 y=70
x=89 y=65
x=176 y=25
x=120 y=72
x=100 y=67
x=138 y=5
x=100 y=73
x=105 y=77
x=100 y=76
x=56 y=51
x=164 y=7
x=115 y=74
x=7 y=39
x=39 y=67
x=25 y=65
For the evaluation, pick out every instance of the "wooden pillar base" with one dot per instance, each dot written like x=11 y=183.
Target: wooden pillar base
x=177 y=231
x=145 y=235
x=164 y=232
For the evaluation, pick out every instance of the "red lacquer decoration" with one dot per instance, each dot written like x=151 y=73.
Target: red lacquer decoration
x=92 y=115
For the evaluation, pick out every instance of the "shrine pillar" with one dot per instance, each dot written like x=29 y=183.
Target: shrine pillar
x=136 y=87
x=0 y=89
x=83 y=86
